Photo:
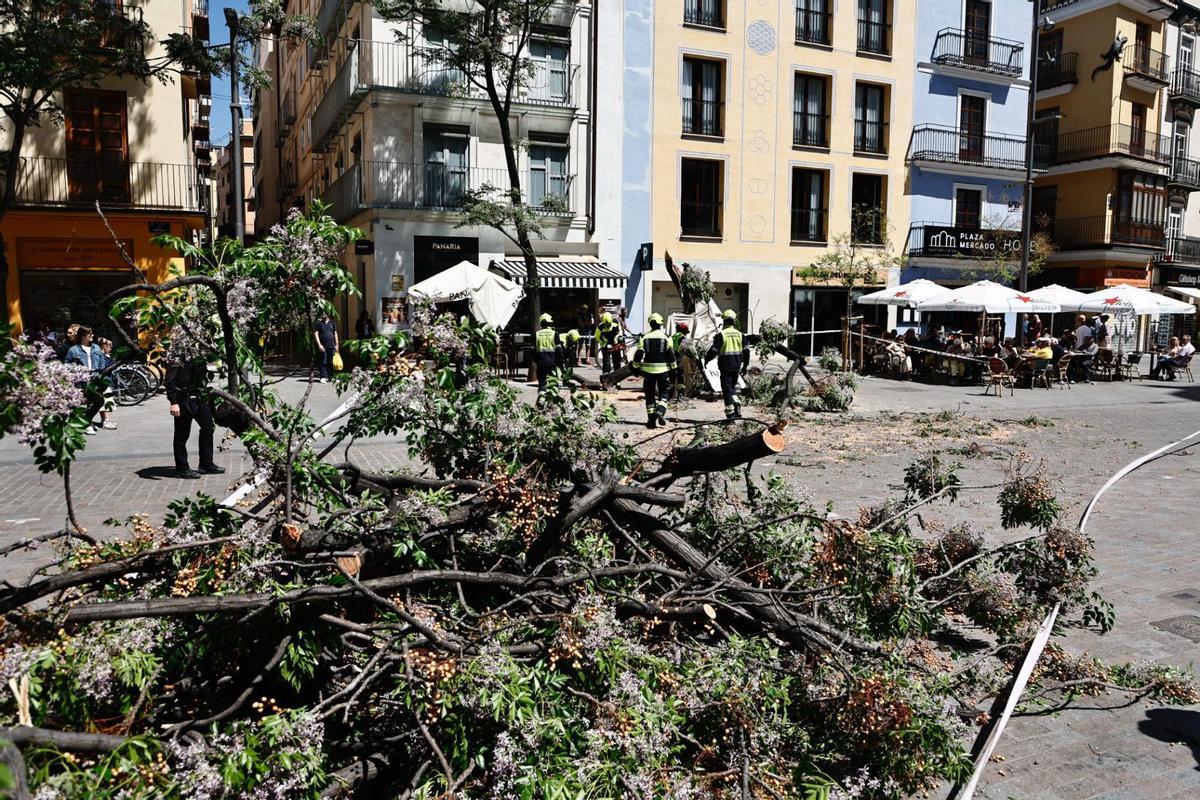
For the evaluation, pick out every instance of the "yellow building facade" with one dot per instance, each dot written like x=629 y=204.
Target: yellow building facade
x=1104 y=195
x=139 y=149
x=772 y=123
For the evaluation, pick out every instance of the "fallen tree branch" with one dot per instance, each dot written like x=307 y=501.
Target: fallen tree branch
x=72 y=741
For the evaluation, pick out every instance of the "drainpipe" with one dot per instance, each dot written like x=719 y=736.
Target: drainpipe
x=591 y=176
x=278 y=121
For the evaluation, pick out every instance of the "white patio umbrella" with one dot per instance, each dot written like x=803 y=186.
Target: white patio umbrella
x=1131 y=299
x=989 y=297
x=1067 y=298
x=906 y=295
x=493 y=298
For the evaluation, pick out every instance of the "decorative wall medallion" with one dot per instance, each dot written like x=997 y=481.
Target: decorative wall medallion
x=758 y=141
x=758 y=224
x=757 y=185
x=760 y=36
x=762 y=90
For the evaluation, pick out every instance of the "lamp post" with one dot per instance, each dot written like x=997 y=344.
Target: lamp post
x=235 y=137
x=1037 y=27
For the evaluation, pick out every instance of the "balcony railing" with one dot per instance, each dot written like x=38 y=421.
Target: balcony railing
x=873 y=37
x=951 y=145
x=957 y=48
x=1057 y=71
x=287 y=111
x=703 y=117
x=813 y=27
x=1185 y=249
x=1108 y=140
x=199 y=8
x=870 y=137
x=1185 y=172
x=945 y=240
x=1185 y=86
x=133 y=184
x=810 y=129
x=1144 y=62
x=397 y=66
x=809 y=224
x=704 y=12
x=328 y=14
x=1084 y=233
x=428 y=186
x=700 y=219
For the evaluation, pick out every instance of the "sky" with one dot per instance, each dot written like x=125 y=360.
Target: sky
x=219 y=34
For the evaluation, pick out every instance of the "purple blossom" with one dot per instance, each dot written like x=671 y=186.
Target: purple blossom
x=40 y=386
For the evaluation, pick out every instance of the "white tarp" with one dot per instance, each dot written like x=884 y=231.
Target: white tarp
x=1067 y=298
x=1131 y=299
x=986 y=296
x=493 y=298
x=906 y=295
x=703 y=324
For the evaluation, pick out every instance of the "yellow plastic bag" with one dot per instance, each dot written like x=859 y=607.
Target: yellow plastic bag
x=338 y=364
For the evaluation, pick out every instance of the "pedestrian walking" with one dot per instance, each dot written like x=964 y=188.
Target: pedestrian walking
x=681 y=332
x=733 y=356
x=548 y=352
x=87 y=354
x=326 y=336
x=69 y=341
x=655 y=359
x=186 y=384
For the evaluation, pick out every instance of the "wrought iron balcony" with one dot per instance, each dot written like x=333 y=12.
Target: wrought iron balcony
x=1185 y=87
x=810 y=130
x=874 y=37
x=1059 y=70
x=1118 y=140
x=813 y=27
x=396 y=66
x=1181 y=249
x=706 y=13
x=129 y=184
x=870 y=137
x=432 y=186
x=1185 y=173
x=287 y=113
x=944 y=240
x=1142 y=62
x=942 y=144
x=1087 y=233
x=958 y=48
x=809 y=224
x=703 y=117
x=700 y=219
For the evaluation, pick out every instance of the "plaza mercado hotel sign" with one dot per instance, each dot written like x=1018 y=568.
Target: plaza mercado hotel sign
x=944 y=241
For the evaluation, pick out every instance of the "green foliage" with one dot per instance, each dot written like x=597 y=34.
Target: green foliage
x=772 y=334
x=929 y=476
x=830 y=359
x=696 y=285
x=1028 y=500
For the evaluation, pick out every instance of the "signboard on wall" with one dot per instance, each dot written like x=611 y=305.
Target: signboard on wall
x=432 y=254
x=364 y=247
x=397 y=282
x=71 y=253
x=1171 y=276
x=945 y=241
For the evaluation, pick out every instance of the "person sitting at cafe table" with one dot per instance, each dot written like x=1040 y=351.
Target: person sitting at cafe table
x=1010 y=355
x=1081 y=365
x=1175 y=356
x=1057 y=349
x=955 y=366
x=1041 y=350
x=1082 y=331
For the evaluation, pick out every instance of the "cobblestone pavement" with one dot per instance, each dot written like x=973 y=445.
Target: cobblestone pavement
x=1145 y=530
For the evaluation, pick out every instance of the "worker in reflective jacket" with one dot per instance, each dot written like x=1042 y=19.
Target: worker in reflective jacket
x=547 y=352
x=733 y=357
x=655 y=358
x=681 y=332
x=570 y=346
x=608 y=333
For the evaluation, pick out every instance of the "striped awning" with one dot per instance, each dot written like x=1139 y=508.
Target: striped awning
x=583 y=274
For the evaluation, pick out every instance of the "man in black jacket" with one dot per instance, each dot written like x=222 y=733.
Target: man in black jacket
x=185 y=387
x=733 y=356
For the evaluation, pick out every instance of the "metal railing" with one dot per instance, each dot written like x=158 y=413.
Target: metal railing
x=809 y=129
x=429 y=186
x=133 y=184
x=958 y=48
x=703 y=117
x=704 y=12
x=1142 y=60
x=813 y=27
x=328 y=14
x=397 y=66
x=1185 y=172
x=1082 y=233
x=1185 y=85
x=995 y=242
x=953 y=145
x=700 y=219
x=1057 y=71
x=866 y=226
x=199 y=8
x=870 y=137
x=809 y=224
x=873 y=37
x=287 y=111
x=1115 y=139
x=1182 y=248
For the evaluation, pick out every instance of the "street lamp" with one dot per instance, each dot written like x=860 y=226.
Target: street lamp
x=1039 y=27
x=235 y=138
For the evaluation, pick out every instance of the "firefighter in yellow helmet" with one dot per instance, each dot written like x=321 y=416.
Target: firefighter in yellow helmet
x=655 y=359
x=608 y=333
x=733 y=356
x=570 y=347
x=547 y=352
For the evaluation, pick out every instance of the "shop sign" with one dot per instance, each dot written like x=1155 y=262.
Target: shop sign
x=646 y=256
x=159 y=226
x=1137 y=283
x=397 y=282
x=943 y=241
x=1179 y=277
x=72 y=253
x=364 y=247
x=432 y=254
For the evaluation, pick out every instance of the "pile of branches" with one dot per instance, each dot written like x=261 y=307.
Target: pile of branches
x=528 y=606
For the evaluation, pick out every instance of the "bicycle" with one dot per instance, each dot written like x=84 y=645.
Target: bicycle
x=132 y=384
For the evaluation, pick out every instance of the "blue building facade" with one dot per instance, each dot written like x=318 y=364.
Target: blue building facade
x=966 y=156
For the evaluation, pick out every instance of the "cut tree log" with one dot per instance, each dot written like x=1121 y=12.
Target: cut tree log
x=72 y=741
x=797 y=366
x=616 y=376
x=715 y=458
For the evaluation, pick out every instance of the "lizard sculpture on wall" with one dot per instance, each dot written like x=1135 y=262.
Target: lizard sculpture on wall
x=1114 y=54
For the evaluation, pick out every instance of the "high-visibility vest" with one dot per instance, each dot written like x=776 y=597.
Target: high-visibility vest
x=676 y=339
x=546 y=340
x=655 y=353
x=731 y=341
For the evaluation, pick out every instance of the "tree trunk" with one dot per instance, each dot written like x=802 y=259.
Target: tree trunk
x=690 y=460
x=11 y=167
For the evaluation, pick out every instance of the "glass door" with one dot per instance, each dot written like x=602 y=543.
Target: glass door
x=445 y=169
x=971 y=124
x=978 y=29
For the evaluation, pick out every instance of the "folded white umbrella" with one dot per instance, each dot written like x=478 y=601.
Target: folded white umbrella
x=493 y=298
x=1131 y=299
x=986 y=296
x=1067 y=298
x=906 y=295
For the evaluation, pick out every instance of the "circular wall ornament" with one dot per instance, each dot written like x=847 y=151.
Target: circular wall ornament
x=757 y=186
x=758 y=141
x=761 y=37
x=762 y=91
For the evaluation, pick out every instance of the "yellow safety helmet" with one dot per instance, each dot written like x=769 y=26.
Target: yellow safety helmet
x=606 y=318
x=729 y=314
x=656 y=319
x=572 y=336
x=546 y=319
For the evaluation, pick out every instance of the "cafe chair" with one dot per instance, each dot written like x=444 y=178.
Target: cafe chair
x=1062 y=372
x=999 y=376
x=1104 y=365
x=1040 y=369
x=1130 y=368
x=1185 y=367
